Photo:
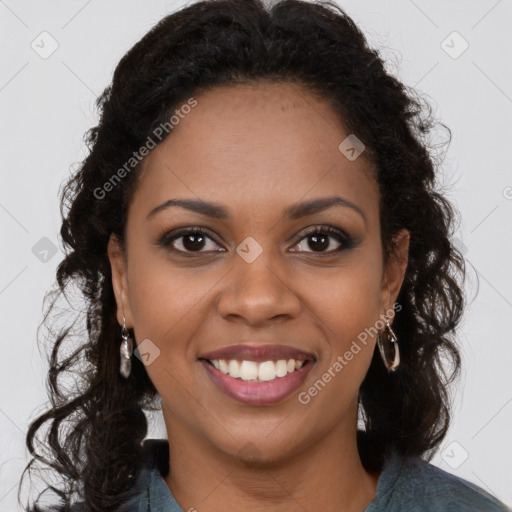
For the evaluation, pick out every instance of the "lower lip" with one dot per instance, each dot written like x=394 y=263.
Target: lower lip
x=258 y=393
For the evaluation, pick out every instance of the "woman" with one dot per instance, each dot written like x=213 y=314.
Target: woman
x=263 y=253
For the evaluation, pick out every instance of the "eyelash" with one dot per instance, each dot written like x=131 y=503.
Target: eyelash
x=346 y=242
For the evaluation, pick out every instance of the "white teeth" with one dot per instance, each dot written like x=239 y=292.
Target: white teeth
x=234 y=368
x=248 y=370
x=223 y=366
x=267 y=371
x=252 y=370
x=281 y=369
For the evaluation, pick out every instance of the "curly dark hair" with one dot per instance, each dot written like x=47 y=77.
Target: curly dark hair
x=97 y=423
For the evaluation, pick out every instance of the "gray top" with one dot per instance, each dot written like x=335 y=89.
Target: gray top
x=406 y=484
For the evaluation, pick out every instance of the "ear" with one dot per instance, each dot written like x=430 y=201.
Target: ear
x=394 y=272
x=118 y=266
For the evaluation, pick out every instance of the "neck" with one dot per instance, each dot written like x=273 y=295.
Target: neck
x=327 y=475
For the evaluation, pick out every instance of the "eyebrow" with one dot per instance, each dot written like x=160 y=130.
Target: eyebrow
x=295 y=211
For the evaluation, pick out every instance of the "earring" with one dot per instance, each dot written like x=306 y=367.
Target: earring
x=126 y=352
x=393 y=342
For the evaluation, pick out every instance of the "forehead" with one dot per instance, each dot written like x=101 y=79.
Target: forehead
x=266 y=143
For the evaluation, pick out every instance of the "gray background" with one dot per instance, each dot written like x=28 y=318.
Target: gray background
x=48 y=103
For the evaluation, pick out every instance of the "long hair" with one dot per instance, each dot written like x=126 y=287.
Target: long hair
x=95 y=424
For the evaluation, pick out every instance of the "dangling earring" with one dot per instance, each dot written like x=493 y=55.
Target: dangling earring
x=393 y=342
x=126 y=352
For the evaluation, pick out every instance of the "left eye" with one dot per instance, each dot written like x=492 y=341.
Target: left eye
x=320 y=240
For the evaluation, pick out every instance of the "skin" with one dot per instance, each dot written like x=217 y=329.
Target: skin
x=256 y=149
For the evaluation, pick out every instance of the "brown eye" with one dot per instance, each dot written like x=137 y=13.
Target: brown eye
x=319 y=239
x=189 y=240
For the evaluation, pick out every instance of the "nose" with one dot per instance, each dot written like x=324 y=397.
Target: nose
x=256 y=294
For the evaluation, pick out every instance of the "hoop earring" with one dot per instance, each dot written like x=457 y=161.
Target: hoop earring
x=126 y=352
x=393 y=342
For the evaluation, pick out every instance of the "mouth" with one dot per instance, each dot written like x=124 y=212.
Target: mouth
x=258 y=375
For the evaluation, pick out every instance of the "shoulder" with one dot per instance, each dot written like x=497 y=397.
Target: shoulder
x=412 y=484
x=153 y=460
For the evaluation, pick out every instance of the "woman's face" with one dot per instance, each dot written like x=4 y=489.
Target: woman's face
x=254 y=279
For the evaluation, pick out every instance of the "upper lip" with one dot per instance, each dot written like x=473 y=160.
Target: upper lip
x=258 y=353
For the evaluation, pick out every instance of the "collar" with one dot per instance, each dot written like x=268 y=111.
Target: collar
x=155 y=496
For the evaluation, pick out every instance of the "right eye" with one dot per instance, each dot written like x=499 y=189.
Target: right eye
x=188 y=240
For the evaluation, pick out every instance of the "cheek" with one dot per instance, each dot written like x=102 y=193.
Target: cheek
x=349 y=311
x=169 y=309
x=169 y=305
x=350 y=297
x=349 y=305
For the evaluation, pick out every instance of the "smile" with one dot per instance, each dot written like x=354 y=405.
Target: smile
x=257 y=383
x=256 y=371
x=258 y=374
